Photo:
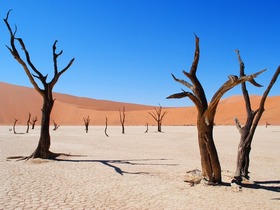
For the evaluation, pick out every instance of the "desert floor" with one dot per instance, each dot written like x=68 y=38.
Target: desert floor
x=135 y=170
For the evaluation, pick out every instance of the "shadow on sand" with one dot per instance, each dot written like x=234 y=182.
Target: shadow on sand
x=273 y=185
x=110 y=163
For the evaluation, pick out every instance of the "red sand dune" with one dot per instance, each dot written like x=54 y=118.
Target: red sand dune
x=17 y=101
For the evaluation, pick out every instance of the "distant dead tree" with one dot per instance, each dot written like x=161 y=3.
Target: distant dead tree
x=210 y=164
x=42 y=150
x=34 y=120
x=106 y=125
x=86 y=121
x=14 y=126
x=122 y=118
x=248 y=130
x=55 y=126
x=28 y=122
x=158 y=116
x=147 y=128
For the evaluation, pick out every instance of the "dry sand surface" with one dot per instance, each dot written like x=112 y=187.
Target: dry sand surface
x=135 y=170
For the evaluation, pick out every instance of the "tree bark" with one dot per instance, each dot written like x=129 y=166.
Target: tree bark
x=43 y=148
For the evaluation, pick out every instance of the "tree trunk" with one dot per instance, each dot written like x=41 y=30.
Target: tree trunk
x=42 y=150
x=28 y=122
x=243 y=160
x=210 y=163
x=14 y=126
x=159 y=126
x=106 y=125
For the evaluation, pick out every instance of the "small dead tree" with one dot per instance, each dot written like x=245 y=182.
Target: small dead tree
x=210 y=164
x=106 y=125
x=14 y=126
x=28 y=122
x=122 y=118
x=34 y=120
x=86 y=121
x=248 y=130
x=42 y=150
x=147 y=128
x=158 y=116
x=55 y=126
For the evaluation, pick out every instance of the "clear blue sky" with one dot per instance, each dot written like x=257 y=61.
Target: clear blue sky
x=125 y=50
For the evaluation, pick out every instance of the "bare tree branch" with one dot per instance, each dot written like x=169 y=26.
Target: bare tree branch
x=196 y=57
x=183 y=82
x=232 y=82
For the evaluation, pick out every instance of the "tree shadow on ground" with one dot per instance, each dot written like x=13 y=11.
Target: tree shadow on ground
x=264 y=185
x=272 y=185
x=110 y=163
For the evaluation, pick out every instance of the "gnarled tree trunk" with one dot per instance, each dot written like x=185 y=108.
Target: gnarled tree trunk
x=43 y=148
x=211 y=169
x=248 y=130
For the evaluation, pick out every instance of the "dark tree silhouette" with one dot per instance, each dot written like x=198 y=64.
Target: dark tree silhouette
x=55 y=126
x=86 y=121
x=122 y=118
x=248 y=130
x=106 y=125
x=42 y=150
x=34 y=120
x=14 y=126
x=28 y=122
x=158 y=116
x=210 y=164
x=147 y=128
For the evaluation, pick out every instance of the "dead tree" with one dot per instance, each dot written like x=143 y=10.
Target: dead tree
x=247 y=131
x=158 y=116
x=122 y=118
x=147 y=128
x=34 y=120
x=14 y=126
x=210 y=164
x=42 y=150
x=55 y=126
x=86 y=121
x=106 y=125
x=28 y=122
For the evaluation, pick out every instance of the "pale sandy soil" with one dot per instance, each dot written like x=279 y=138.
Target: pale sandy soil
x=136 y=170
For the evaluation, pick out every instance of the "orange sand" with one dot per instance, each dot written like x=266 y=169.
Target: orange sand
x=17 y=101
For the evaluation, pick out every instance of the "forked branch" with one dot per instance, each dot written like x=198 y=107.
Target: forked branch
x=232 y=82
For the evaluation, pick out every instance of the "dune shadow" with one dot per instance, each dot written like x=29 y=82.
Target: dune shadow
x=112 y=163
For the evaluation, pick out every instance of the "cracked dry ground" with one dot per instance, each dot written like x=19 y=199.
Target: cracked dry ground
x=131 y=171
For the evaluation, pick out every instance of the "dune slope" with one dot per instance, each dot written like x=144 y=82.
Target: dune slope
x=17 y=101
